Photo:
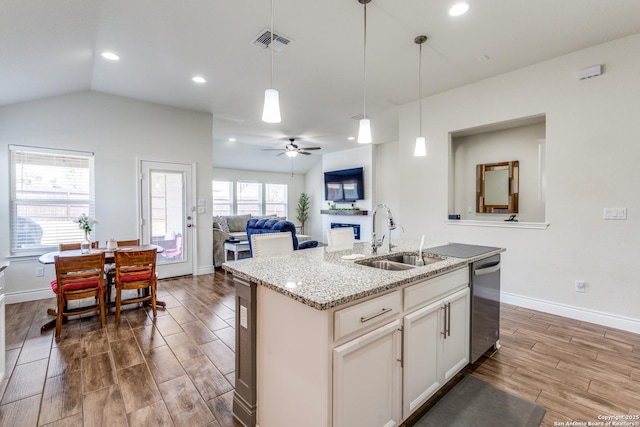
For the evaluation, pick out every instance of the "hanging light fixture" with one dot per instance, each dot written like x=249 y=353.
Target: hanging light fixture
x=421 y=143
x=364 y=132
x=271 y=111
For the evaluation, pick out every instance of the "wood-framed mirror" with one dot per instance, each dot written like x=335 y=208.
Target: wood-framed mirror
x=497 y=187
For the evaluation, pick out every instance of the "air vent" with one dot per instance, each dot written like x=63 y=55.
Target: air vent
x=263 y=40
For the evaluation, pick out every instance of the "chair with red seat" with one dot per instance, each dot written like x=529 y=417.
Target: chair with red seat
x=79 y=277
x=135 y=270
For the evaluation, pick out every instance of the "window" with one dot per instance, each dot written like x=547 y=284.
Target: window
x=276 y=199
x=222 y=198
x=249 y=195
x=49 y=189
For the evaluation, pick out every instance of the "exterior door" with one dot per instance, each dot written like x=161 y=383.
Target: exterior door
x=167 y=217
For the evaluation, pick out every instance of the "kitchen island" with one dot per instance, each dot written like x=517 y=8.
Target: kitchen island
x=326 y=341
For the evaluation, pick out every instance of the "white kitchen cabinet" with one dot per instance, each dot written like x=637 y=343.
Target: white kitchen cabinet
x=435 y=342
x=367 y=377
x=455 y=348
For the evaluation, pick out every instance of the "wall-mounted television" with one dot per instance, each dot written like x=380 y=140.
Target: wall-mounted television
x=345 y=185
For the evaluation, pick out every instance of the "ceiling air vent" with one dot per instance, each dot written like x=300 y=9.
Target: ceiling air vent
x=263 y=40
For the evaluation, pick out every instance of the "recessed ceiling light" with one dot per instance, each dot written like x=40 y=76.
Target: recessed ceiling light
x=459 y=9
x=110 y=56
x=199 y=79
x=351 y=138
x=232 y=140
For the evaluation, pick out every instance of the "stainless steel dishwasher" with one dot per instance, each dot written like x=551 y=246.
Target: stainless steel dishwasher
x=485 y=305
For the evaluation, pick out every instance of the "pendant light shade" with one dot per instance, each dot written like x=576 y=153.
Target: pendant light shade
x=420 y=149
x=291 y=153
x=271 y=110
x=364 y=132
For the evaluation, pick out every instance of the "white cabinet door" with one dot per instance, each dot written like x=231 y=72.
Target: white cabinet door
x=367 y=379
x=422 y=336
x=455 y=348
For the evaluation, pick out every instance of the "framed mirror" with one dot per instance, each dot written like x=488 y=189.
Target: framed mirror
x=497 y=187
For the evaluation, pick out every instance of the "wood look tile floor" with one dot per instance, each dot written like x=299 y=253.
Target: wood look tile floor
x=179 y=369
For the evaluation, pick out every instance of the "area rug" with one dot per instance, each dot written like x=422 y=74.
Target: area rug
x=473 y=402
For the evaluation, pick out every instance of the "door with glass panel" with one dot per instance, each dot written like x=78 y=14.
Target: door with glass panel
x=167 y=217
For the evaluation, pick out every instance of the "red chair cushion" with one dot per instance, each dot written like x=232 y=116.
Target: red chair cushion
x=74 y=286
x=135 y=278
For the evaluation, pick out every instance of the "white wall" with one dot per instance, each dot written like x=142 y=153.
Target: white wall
x=592 y=162
x=518 y=143
x=295 y=184
x=314 y=187
x=118 y=130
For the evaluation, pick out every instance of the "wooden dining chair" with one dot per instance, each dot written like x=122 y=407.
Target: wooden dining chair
x=79 y=277
x=135 y=270
x=271 y=244
x=74 y=246
x=110 y=269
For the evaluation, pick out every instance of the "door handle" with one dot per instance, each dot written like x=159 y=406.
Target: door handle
x=487 y=270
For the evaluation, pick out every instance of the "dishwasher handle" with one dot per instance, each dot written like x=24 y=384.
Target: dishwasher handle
x=487 y=270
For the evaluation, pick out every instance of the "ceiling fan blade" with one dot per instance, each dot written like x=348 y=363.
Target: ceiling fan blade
x=304 y=152
x=311 y=148
x=279 y=154
x=272 y=149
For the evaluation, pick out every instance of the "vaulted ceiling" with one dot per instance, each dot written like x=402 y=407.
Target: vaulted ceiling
x=49 y=48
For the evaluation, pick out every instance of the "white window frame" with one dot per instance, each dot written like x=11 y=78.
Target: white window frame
x=230 y=203
x=263 y=202
x=53 y=236
x=259 y=202
x=268 y=203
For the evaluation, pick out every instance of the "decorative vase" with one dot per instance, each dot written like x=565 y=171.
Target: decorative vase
x=85 y=245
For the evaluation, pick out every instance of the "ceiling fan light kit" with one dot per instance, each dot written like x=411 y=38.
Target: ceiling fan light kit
x=364 y=131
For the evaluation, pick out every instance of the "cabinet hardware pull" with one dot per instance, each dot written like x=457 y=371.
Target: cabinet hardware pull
x=448 y=319
x=444 y=321
x=401 y=360
x=487 y=270
x=373 y=316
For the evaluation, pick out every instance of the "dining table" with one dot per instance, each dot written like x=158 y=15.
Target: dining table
x=109 y=258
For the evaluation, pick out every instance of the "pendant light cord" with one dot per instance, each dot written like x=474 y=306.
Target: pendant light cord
x=271 y=44
x=364 y=107
x=420 y=86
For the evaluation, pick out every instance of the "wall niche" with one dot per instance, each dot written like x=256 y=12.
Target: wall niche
x=521 y=140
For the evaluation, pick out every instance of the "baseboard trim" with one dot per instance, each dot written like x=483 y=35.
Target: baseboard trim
x=583 y=314
x=15 y=297
x=205 y=270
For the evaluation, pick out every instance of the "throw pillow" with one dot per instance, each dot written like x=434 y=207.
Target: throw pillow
x=238 y=223
x=220 y=222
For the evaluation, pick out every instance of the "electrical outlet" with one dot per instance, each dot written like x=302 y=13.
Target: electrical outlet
x=580 y=285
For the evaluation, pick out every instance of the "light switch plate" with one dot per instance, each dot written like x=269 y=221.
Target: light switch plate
x=615 y=213
x=201 y=202
x=200 y=209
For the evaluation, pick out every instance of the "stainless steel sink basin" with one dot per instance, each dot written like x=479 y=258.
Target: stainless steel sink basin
x=400 y=262
x=388 y=265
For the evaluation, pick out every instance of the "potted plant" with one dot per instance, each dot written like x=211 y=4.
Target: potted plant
x=303 y=210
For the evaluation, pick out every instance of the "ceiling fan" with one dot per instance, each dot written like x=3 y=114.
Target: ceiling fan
x=292 y=149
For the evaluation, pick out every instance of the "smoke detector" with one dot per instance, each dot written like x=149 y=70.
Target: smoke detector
x=263 y=40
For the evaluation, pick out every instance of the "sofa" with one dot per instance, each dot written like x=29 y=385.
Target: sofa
x=274 y=225
x=234 y=226
x=224 y=228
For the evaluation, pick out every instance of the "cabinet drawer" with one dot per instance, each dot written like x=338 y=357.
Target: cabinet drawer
x=366 y=314
x=431 y=289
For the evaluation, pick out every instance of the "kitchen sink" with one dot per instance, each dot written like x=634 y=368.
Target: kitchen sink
x=400 y=262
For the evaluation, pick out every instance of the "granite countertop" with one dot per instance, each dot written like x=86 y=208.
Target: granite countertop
x=321 y=279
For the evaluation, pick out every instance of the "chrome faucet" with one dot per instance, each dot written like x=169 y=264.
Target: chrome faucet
x=375 y=244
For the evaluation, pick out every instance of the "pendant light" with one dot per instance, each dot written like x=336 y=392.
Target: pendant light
x=364 y=132
x=421 y=144
x=271 y=111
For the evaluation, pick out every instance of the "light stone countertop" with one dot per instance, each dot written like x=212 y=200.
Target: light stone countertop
x=321 y=279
